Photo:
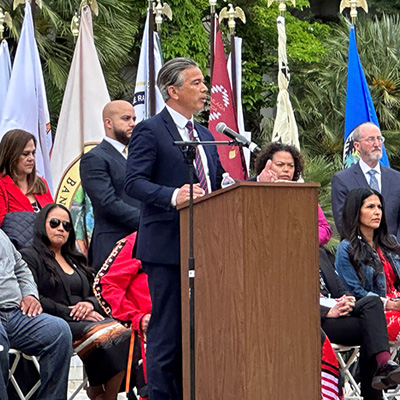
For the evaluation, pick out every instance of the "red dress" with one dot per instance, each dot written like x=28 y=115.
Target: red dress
x=12 y=199
x=122 y=289
x=392 y=317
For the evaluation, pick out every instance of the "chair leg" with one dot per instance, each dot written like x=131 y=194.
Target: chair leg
x=13 y=368
x=355 y=393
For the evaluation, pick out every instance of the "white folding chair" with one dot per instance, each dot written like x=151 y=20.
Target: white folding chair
x=17 y=357
x=392 y=393
x=352 y=390
x=81 y=386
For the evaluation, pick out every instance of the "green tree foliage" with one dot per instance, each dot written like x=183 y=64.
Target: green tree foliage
x=114 y=32
x=319 y=99
x=185 y=34
x=118 y=31
x=384 y=6
x=260 y=52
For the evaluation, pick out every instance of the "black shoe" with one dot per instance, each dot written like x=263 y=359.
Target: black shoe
x=386 y=376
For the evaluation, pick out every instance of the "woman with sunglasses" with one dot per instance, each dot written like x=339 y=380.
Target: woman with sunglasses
x=65 y=289
x=20 y=188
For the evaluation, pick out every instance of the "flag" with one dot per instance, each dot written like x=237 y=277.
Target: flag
x=359 y=105
x=222 y=110
x=25 y=106
x=141 y=98
x=239 y=107
x=80 y=126
x=285 y=127
x=5 y=72
x=330 y=372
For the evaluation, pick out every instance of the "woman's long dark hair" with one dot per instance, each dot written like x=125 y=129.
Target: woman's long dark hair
x=360 y=251
x=69 y=251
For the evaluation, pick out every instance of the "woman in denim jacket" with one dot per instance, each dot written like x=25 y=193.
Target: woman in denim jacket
x=368 y=258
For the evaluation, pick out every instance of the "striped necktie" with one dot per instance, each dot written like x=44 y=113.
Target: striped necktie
x=373 y=182
x=201 y=176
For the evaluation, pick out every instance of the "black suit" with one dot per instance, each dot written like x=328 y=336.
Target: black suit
x=352 y=178
x=365 y=326
x=155 y=169
x=116 y=214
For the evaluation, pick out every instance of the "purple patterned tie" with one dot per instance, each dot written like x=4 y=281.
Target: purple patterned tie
x=199 y=164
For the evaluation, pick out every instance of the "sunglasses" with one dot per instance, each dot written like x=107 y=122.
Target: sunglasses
x=55 y=222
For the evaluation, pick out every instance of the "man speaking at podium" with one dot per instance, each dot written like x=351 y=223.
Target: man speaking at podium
x=158 y=176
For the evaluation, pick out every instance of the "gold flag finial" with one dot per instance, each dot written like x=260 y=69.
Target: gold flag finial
x=353 y=4
x=231 y=13
x=4 y=19
x=212 y=3
x=160 y=10
x=93 y=6
x=76 y=20
x=16 y=3
x=282 y=5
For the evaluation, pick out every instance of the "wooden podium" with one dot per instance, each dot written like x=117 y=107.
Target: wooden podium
x=257 y=327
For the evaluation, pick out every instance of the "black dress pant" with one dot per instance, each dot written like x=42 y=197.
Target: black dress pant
x=164 y=339
x=365 y=327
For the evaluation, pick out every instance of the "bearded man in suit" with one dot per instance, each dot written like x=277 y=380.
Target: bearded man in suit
x=102 y=170
x=368 y=172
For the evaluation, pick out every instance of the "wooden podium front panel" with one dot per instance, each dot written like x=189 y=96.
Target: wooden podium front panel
x=256 y=294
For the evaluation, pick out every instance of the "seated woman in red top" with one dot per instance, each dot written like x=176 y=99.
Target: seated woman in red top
x=20 y=188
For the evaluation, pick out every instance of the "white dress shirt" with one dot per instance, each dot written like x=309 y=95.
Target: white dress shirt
x=365 y=168
x=120 y=147
x=180 y=122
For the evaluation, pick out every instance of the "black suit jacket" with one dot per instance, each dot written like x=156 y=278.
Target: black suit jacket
x=352 y=178
x=116 y=214
x=155 y=169
x=55 y=295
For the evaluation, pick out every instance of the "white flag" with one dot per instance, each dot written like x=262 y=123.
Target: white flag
x=141 y=98
x=5 y=73
x=285 y=127
x=80 y=128
x=80 y=125
x=238 y=100
x=26 y=103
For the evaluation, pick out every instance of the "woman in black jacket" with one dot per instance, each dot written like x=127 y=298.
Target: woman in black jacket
x=65 y=289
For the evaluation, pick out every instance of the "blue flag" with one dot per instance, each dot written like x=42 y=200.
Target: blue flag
x=359 y=105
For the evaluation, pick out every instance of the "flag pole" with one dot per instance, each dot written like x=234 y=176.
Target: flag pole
x=233 y=71
x=152 y=80
x=213 y=3
x=231 y=14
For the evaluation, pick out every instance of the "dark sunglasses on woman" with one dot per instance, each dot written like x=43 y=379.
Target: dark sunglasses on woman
x=55 y=223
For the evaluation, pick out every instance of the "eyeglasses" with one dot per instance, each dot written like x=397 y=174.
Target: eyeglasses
x=55 y=223
x=371 y=139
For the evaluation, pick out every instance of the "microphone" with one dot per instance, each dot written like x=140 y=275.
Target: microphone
x=223 y=128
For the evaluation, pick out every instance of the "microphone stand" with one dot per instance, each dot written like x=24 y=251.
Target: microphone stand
x=189 y=149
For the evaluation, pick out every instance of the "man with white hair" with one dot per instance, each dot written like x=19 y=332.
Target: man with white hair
x=368 y=172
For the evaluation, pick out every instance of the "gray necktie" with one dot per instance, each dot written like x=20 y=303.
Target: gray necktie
x=373 y=182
